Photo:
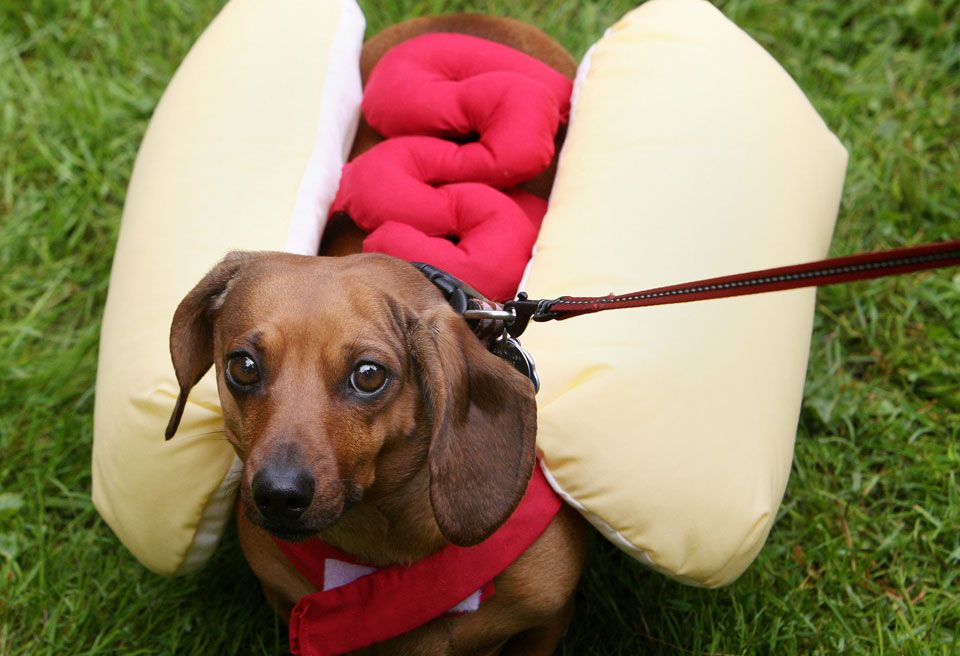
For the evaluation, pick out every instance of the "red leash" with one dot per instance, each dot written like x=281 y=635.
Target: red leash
x=498 y=326
x=812 y=274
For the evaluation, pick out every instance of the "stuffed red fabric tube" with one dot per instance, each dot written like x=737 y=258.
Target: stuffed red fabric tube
x=422 y=194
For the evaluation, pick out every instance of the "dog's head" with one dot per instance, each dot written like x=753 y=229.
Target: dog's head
x=343 y=377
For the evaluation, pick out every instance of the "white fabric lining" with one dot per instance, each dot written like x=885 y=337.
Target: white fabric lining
x=213 y=521
x=582 y=70
x=336 y=128
x=337 y=573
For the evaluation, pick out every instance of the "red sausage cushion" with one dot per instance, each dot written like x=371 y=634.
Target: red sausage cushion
x=423 y=195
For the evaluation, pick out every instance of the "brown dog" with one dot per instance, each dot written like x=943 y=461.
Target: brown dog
x=365 y=411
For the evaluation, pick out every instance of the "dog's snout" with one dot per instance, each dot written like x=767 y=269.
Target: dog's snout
x=282 y=493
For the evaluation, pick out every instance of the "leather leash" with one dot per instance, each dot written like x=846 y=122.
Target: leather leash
x=863 y=266
x=499 y=325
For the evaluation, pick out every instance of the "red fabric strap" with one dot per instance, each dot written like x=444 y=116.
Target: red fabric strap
x=823 y=272
x=394 y=600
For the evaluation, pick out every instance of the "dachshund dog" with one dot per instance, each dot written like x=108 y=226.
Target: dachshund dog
x=367 y=413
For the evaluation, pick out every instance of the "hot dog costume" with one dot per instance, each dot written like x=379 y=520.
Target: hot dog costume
x=689 y=153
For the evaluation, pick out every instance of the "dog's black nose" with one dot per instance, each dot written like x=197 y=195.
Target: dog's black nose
x=282 y=493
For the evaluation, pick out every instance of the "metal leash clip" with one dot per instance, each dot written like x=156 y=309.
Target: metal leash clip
x=496 y=325
x=513 y=318
x=516 y=314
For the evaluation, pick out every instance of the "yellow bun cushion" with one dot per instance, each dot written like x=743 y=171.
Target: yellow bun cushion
x=690 y=154
x=244 y=151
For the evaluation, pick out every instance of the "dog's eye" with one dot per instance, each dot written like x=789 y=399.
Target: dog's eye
x=368 y=378
x=242 y=370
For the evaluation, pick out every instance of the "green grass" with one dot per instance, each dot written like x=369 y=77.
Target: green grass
x=865 y=555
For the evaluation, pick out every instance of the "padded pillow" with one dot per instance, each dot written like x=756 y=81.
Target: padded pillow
x=690 y=154
x=244 y=151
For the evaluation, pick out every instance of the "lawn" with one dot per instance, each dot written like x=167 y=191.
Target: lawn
x=865 y=555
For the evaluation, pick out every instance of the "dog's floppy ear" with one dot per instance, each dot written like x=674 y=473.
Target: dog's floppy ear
x=484 y=416
x=191 y=333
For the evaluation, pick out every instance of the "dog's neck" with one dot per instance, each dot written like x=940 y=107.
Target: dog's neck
x=398 y=528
